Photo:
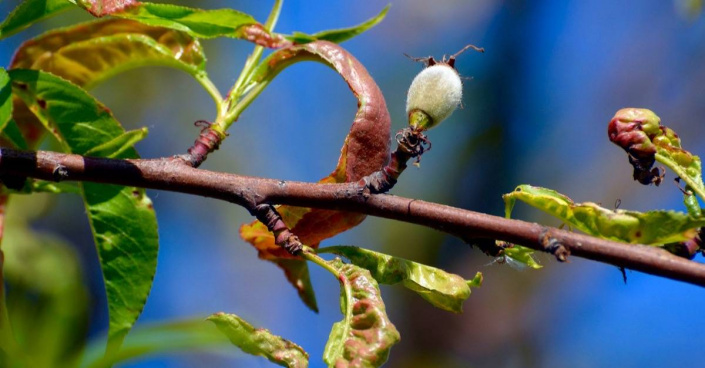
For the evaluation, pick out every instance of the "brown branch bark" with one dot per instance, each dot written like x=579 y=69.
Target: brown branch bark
x=174 y=174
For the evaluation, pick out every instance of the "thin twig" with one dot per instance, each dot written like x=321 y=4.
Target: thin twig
x=174 y=175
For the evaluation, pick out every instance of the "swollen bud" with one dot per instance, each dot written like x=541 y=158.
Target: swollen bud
x=433 y=96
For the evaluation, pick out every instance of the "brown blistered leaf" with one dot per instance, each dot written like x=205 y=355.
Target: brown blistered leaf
x=365 y=149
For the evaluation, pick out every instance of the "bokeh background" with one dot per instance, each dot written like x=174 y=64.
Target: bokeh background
x=535 y=111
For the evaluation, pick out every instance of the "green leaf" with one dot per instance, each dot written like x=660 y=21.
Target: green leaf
x=176 y=336
x=339 y=35
x=122 y=218
x=258 y=341
x=5 y=99
x=442 y=289
x=89 y=53
x=118 y=145
x=650 y=228
x=29 y=12
x=196 y=22
x=365 y=335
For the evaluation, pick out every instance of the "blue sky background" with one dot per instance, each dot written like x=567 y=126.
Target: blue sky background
x=536 y=112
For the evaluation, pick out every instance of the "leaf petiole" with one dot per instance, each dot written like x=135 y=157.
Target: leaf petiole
x=233 y=107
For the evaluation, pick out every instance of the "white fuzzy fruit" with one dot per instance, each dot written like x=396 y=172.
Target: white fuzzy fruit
x=437 y=91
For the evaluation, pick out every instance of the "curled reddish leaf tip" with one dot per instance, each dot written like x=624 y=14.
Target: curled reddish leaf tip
x=257 y=34
x=101 y=8
x=634 y=130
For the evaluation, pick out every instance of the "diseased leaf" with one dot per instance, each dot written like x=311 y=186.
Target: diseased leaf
x=365 y=149
x=260 y=341
x=101 y=8
x=650 y=228
x=89 y=53
x=339 y=35
x=640 y=133
x=118 y=145
x=365 y=335
x=29 y=12
x=442 y=289
x=122 y=218
x=175 y=336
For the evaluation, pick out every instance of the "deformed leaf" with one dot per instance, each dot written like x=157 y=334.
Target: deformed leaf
x=365 y=335
x=651 y=228
x=89 y=53
x=365 y=149
x=122 y=219
x=118 y=145
x=640 y=133
x=339 y=35
x=442 y=289
x=258 y=341
x=29 y=12
x=101 y=8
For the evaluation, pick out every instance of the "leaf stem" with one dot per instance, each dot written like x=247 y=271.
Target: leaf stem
x=213 y=91
x=310 y=255
x=235 y=109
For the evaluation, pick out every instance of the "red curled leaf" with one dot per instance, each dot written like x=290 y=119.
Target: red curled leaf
x=101 y=8
x=365 y=150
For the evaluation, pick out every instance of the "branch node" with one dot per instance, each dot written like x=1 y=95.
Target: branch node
x=553 y=245
x=283 y=237
x=208 y=141
x=411 y=143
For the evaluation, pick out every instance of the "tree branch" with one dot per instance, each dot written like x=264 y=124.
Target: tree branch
x=173 y=174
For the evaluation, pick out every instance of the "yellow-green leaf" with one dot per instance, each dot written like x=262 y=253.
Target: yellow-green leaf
x=442 y=289
x=651 y=228
x=259 y=341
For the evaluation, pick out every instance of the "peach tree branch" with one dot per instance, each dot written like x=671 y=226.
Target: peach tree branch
x=173 y=174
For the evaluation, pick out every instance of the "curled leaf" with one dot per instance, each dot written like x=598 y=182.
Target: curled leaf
x=100 y=8
x=339 y=35
x=650 y=228
x=122 y=219
x=640 y=133
x=365 y=150
x=442 y=289
x=88 y=53
x=258 y=341
x=365 y=335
